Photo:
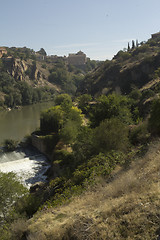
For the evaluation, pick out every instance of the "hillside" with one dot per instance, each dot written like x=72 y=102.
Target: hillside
x=128 y=69
x=125 y=207
x=104 y=153
x=28 y=77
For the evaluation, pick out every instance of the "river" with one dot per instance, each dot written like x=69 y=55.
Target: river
x=28 y=164
x=17 y=123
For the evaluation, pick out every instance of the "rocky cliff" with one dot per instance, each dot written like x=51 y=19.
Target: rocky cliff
x=126 y=70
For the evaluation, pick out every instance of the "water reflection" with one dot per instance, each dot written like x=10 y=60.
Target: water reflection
x=17 y=123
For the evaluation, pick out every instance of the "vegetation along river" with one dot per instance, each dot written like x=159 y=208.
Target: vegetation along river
x=29 y=164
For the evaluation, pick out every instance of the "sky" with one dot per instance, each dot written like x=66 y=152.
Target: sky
x=99 y=28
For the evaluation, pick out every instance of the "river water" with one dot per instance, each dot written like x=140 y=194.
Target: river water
x=28 y=164
x=17 y=123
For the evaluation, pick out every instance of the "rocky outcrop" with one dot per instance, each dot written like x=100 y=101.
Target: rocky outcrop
x=18 y=69
x=123 y=76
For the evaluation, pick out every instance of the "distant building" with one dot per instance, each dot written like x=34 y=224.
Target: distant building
x=40 y=57
x=77 y=59
x=155 y=35
x=2 y=51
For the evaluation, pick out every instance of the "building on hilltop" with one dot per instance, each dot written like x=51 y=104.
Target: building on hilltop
x=39 y=57
x=77 y=59
x=2 y=51
x=155 y=35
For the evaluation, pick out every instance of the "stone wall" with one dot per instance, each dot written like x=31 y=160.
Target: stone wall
x=38 y=143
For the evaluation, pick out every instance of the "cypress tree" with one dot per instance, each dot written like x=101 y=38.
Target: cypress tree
x=133 y=44
x=128 y=47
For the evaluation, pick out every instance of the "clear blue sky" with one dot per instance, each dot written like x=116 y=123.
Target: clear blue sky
x=99 y=28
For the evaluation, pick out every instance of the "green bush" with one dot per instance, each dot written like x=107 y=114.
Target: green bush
x=10 y=145
x=50 y=142
x=65 y=156
x=10 y=190
x=139 y=134
x=51 y=120
x=154 y=120
x=64 y=100
x=111 y=134
x=110 y=106
x=69 y=131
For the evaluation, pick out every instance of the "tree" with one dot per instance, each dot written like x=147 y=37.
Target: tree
x=111 y=134
x=10 y=191
x=51 y=120
x=154 y=120
x=133 y=44
x=42 y=52
x=110 y=106
x=64 y=100
x=83 y=102
x=128 y=47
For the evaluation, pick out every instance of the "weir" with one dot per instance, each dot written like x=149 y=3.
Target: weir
x=29 y=168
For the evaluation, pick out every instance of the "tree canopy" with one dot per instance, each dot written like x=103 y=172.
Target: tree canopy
x=10 y=190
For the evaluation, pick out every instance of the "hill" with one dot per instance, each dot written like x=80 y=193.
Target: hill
x=104 y=152
x=131 y=68
x=28 y=77
x=124 y=207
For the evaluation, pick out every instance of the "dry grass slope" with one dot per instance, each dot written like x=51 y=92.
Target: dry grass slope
x=128 y=207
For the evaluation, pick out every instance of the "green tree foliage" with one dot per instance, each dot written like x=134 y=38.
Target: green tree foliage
x=63 y=119
x=10 y=190
x=10 y=145
x=139 y=134
x=133 y=44
x=129 y=47
x=157 y=73
x=69 y=131
x=42 y=52
x=58 y=76
x=83 y=146
x=72 y=124
x=154 y=120
x=110 y=106
x=83 y=102
x=122 y=55
x=64 y=100
x=51 y=120
x=111 y=134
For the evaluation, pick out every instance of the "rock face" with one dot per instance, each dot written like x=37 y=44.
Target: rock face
x=18 y=69
x=120 y=76
x=28 y=70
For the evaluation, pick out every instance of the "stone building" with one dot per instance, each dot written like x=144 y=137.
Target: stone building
x=2 y=51
x=77 y=59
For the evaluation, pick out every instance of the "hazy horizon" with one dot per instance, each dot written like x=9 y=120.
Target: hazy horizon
x=100 y=28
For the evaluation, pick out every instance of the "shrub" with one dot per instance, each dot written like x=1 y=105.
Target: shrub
x=108 y=107
x=154 y=120
x=69 y=132
x=10 y=145
x=51 y=120
x=139 y=134
x=50 y=142
x=10 y=190
x=64 y=100
x=111 y=134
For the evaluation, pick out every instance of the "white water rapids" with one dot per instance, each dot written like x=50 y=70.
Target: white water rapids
x=29 y=165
